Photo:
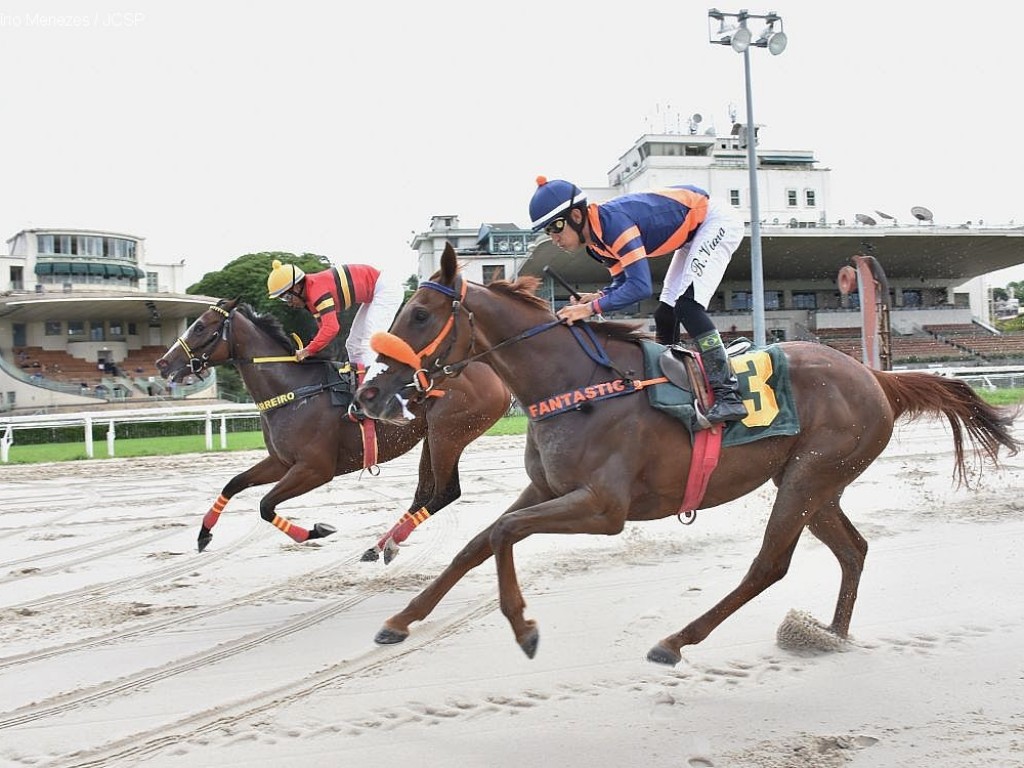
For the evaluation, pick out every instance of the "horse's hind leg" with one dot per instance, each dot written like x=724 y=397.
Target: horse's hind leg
x=834 y=529
x=269 y=470
x=797 y=502
x=299 y=479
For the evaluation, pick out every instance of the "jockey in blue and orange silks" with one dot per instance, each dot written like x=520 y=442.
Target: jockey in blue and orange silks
x=622 y=234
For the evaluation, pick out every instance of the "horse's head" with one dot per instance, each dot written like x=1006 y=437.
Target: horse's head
x=425 y=339
x=203 y=345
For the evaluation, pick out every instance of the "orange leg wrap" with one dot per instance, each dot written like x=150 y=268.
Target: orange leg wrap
x=296 y=532
x=213 y=515
x=406 y=524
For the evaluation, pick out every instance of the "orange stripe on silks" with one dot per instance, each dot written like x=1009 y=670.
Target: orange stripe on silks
x=369 y=429
x=281 y=523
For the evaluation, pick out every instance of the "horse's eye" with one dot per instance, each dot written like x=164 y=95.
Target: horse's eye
x=199 y=327
x=419 y=314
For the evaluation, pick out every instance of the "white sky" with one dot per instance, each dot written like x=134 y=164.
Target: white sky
x=215 y=129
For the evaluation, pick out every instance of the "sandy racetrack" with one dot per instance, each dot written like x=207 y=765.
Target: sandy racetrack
x=120 y=645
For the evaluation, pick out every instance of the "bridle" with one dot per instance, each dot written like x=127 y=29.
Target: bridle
x=198 y=364
x=424 y=375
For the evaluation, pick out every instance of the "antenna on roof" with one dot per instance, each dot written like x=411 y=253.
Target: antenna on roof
x=921 y=213
x=863 y=218
x=695 y=120
x=885 y=215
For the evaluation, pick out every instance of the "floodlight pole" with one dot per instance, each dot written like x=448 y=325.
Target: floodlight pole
x=739 y=38
x=756 y=264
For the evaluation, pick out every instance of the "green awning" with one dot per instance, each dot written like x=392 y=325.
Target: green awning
x=79 y=268
x=44 y=268
x=113 y=270
x=133 y=272
x=97 y=269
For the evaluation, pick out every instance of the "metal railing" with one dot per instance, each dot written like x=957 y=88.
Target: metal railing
x=209 y=414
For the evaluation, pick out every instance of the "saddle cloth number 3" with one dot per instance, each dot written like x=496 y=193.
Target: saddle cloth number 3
x=755 y=368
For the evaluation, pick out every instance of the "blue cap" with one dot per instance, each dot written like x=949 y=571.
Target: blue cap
x=552 y=200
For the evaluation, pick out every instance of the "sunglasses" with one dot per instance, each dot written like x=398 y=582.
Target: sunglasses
x=555 y=227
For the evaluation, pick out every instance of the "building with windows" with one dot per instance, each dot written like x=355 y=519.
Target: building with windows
x=83 y=316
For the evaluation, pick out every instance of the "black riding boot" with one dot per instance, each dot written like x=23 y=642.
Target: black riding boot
x=728 y=403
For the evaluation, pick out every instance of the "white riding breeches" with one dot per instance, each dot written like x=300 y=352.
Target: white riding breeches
x=702 y=262
x=377 y=315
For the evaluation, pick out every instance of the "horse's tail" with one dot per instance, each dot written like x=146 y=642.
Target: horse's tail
x=912 y=394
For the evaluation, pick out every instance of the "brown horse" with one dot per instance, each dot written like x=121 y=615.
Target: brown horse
x=311 y=441
x=589 y=475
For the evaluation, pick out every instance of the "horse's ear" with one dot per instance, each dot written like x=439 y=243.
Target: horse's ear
x=449 y=265
x=228 y=304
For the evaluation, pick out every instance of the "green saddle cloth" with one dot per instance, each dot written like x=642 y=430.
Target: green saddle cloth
x=763 y=376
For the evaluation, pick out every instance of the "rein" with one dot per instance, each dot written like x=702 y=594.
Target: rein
x=390 y=345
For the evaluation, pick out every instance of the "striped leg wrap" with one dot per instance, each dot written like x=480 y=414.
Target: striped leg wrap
x=405 y=525
x=296 y=532
x=213 y=515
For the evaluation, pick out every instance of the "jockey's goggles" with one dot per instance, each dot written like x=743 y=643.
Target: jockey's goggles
x=555 y=227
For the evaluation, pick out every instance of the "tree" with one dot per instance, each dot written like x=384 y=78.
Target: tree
x=411 y=284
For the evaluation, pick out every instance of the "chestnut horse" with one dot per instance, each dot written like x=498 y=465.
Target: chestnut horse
x=588 y=474
x=311 y=441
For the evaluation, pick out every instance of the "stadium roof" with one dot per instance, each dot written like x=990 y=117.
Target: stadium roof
x=787 y=254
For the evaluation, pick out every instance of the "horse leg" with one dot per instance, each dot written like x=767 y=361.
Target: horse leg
x=299 y=479
x=425 y=502
x=796 y=503
x=834 y=529
x=269 y=470
x=477 y=551
x=560 y=515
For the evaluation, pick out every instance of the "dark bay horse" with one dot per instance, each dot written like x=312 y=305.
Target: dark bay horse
x=310 y=441
x=594 y=467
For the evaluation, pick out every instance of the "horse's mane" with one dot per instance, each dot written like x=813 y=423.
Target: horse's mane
x=267 y=323
x=524 y=289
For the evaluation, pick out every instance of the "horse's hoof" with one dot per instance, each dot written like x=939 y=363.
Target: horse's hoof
x=529 y=643
x=659 y=654
x=371 y=555
x=205 y=537
x=390 y=552
x=321 y=531
x=389 y=636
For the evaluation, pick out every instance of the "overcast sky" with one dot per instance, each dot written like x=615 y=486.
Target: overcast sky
x=215 y=129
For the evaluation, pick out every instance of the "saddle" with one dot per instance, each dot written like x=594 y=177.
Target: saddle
x=685 y=396
x=342 y=380
x=682 y=366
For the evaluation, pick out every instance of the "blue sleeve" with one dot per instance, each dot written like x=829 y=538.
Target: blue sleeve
x=631 y=285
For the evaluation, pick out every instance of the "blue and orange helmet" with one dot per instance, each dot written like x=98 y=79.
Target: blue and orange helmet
x=553 y=200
